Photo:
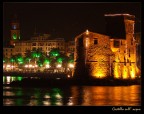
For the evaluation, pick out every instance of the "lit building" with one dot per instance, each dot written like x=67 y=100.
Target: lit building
x=41 y=41
x=8 y=52
x=138 y=52
x=112 y=55
x=93 y=55
x=70 y=47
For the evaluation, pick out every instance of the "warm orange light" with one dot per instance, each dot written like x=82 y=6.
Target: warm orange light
x=125 y=73
x=132 y=72
x=116 y=71
x=138 y=71
x=87 y=32
x=87 y=42
x=99 y=74
x=114 y=49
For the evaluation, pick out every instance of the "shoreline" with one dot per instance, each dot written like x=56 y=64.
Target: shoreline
x=42 y=79
x=42 y=82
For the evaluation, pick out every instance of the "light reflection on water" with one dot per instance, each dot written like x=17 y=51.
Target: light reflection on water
x=73 y=96
x=70 y=96
x=9 y=79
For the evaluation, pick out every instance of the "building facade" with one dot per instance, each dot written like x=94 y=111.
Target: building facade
x=102 y=56
x=41 y=41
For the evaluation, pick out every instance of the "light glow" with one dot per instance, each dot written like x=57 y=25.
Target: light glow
x=117 y=71
x=14 y=36
x=99 y=74
x=117 y=15
x=71 y=65
x=47 y=66
x=87 y=32
x=125 y=73
x=8 y=66
x=26 y=66
x=59 y=66
x=132 y=72
x=58 y=96
x=8 y=78
x=87 y=42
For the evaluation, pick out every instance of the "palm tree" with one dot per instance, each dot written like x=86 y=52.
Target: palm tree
x=19 y=60
x=12 y=60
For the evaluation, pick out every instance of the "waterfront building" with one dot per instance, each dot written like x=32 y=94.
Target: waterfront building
x=113 y=55
x=41 y=41
x=70 y=47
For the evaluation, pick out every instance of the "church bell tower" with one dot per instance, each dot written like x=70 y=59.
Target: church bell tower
x=15 y=31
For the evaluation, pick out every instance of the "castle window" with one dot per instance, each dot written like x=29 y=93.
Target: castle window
x=116 y=43
x=95 y=41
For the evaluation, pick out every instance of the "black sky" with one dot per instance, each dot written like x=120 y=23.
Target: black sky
x=63 y=20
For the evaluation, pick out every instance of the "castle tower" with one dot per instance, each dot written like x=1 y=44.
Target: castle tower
x=15 y=31
x=120 y=28
x=92 y=56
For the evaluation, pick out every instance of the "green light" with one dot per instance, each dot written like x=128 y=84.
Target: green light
x=14 y=36
x=55 y=92
x=28 y=59
x=71 y=61
x=54 y=52
x=46 y=61
x=34 y=54
x=20 y=59
x=13 y=78
x=4 y=78
x=19 y=37
x=21 y=62
x=12 y=60
x=19 y=78
x=38 y=55
x=3 y=61
x=59 y=60
x=41 y=65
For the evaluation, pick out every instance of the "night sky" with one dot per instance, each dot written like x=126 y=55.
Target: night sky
x=63 y=20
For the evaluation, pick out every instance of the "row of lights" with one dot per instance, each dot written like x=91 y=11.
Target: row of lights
x=35 y=66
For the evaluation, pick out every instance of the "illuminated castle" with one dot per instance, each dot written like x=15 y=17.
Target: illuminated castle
x=112 y=55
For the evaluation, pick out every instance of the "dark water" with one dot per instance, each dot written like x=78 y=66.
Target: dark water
x=72 y=96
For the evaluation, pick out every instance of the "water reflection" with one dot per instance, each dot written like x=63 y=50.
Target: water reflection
x=73 y=96
x=70 y=96
x=9 y=79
